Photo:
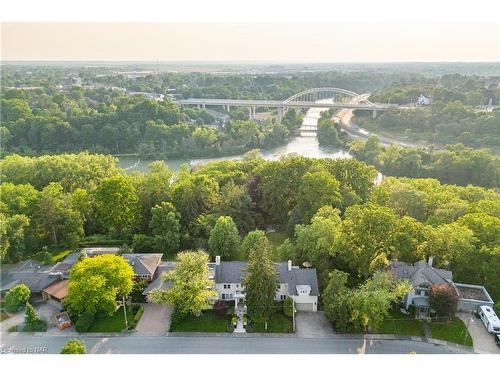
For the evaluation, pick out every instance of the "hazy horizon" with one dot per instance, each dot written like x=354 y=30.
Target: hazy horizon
x=251 y=43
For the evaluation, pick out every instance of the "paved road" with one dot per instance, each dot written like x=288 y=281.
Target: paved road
x=224 y=345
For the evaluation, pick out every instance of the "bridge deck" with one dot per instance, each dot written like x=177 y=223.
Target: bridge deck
x=281 y=104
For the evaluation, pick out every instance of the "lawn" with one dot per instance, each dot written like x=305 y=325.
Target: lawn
x=209 y=321
x=59 y=256
x=453 y=331
x=401 y=324
x=113 y=323
x=278 y=323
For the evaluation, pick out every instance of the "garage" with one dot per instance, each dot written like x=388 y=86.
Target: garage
x=305 y=306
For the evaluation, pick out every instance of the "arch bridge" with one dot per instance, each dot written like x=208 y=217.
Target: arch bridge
x=323 y=97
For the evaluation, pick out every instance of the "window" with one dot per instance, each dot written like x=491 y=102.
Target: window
x=227 y=286
x=283 y=297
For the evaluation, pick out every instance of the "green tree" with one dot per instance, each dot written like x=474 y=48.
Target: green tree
x=261 y=285
x=252 y=241
x=166 y=228
x=96 y=283
x=327 y=132
x=191 y=290
x=17 y=297
x=116 y=204
x=235 y=202
x=224 y=239
x=32 y=321
x=288 y=307
x=316 y=190
x=74 y=346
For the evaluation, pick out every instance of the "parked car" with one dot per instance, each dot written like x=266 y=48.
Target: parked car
x=497 y=339
x=489 y=319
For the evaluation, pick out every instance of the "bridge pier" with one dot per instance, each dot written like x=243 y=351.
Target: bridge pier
x=374 y=114
x=280 y=114
x=251 y=112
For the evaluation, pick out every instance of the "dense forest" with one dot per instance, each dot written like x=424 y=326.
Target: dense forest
x=457 y=112
x=330 y=212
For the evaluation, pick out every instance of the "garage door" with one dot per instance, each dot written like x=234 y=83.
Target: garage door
x=304 y=306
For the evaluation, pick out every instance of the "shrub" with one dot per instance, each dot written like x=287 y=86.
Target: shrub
x=17 y=297
x=32 y=323
x=84 y=322
x=137 y=290
x=443 y=299
x=288 y=307
x=74 y=346
x=220 y=307
x=45 y=257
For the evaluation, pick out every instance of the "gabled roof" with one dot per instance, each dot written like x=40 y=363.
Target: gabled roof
x=420 y=273
x=58 y=289
x=143 y=264
x=32 y=273
x=234 y=272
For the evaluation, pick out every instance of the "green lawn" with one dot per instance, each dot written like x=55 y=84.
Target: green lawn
x=401 y=324
x=59 y=256
x=209 y=321
x=453 y=331
x=113 y=323
x=278 y=323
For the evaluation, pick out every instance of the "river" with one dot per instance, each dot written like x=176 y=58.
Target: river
x=305 y=145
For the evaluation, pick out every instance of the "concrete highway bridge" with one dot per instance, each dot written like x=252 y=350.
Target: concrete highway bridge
x=340 y=99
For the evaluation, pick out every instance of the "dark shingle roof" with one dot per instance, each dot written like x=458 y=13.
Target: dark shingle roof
x=143 y=264
x=420 y=273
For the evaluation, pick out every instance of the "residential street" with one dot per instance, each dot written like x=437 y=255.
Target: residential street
x=221 y=345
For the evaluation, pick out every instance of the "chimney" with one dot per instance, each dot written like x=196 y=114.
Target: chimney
x=217 y=260
x=431 y=259
x=289 y=265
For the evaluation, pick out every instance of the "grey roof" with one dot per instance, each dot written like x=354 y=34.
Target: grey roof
x=94 y=251
x=420 y=273
x=36 y=275
x=143 y=264
x=234 y=273
x=157 y=282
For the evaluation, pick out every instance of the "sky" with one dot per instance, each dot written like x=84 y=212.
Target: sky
x=285 y=42
x=251 y=30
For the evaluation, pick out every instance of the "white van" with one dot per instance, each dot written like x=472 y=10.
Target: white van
x=489 y=319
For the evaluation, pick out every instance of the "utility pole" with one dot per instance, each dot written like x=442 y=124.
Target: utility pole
x=125 y=313
x=293 y=314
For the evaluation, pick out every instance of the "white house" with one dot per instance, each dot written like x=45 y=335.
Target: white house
x=301 y=284
x=423 y=100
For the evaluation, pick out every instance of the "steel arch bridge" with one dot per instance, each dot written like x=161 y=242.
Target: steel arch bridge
x=319 y=93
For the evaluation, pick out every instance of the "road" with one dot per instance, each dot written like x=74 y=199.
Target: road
x=344 y=117
x=222 y=345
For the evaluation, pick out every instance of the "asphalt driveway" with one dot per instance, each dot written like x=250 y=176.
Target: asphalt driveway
x=484 y=342
x=155 y=320
x=312 y=324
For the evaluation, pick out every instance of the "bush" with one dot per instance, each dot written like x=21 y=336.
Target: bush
x=74 y=346
x=84 y=322
x=142 y=243
x=137 y=311
x=17 y=298
x=288 y=307
x=220 y=307
x=45 y=257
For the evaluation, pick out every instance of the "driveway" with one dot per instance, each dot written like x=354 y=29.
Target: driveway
x=155 y=320
x=484 y=342
x=312 y=324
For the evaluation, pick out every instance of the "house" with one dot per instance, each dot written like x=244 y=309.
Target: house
x=423 y=100
x=36 y=275
x=422 y=276
x=144 y=265
x=301 y=284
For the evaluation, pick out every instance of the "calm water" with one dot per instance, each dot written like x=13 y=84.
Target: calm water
x=305 y=145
